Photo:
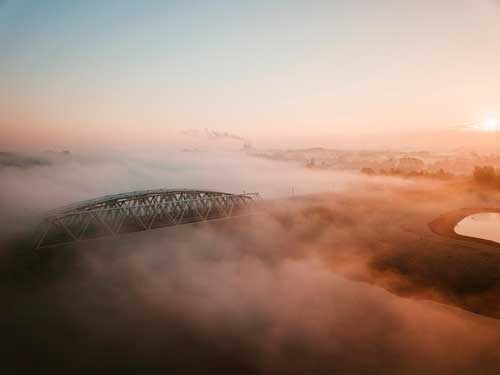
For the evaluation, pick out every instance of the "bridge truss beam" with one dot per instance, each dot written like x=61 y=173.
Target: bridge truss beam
x=140 y=211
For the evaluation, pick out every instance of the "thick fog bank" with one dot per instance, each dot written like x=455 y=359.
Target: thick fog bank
x=295 y=290
x=48 y=182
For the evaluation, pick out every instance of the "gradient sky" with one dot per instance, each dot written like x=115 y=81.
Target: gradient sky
x=140 y=72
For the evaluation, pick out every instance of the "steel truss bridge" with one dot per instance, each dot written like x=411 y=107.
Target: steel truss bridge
x=140 y=211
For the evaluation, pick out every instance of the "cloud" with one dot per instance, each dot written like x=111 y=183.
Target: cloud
x=213 y=134
x=294 y=290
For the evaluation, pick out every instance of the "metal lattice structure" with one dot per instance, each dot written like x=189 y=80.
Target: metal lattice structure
x=140 y=211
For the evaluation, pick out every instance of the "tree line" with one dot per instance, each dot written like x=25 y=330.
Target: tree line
x=487 y=176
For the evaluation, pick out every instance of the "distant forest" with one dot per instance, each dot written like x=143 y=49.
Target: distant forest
x=487 y=176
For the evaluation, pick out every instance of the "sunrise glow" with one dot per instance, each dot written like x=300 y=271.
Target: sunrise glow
x=490 y=125
x=235 y=187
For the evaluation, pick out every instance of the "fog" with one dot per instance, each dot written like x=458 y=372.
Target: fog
x=346 y=281
x=38 y=188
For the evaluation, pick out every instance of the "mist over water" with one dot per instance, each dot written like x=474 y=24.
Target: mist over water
x=369 y=128
x=295 y=290
x=36 y=189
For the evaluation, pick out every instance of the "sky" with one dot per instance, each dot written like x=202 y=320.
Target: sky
x=277 y=72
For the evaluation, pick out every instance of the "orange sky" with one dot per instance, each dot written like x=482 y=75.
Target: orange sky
x=332 y=74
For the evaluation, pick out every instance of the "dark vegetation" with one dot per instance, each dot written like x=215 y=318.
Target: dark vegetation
x=487 y=176
x=8 y=159
x=19 y=160
x=441 y=174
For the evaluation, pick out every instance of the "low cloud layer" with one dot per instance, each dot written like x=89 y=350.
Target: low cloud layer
x=295 y=290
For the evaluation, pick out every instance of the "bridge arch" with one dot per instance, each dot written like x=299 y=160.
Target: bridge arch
x=135 y=211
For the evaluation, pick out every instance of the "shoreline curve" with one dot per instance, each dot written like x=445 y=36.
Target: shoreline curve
x=445 y=224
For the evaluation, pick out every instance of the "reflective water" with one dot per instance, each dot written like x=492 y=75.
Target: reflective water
x=484 y=225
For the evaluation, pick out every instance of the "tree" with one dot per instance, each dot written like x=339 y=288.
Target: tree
x=485 y=175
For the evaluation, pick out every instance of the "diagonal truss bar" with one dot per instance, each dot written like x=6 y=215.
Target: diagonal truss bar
x=140 y=211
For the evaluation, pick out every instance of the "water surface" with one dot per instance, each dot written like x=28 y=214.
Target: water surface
x=484 y=225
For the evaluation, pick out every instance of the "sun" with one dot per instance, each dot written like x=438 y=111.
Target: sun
x=490 y=125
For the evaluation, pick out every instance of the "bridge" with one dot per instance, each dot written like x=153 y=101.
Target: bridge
x=136 y=211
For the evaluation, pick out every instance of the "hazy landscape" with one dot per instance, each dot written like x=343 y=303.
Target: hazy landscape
x=346 y=263
x=250 y=187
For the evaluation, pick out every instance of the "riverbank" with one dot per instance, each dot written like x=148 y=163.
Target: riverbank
x=445 y=224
